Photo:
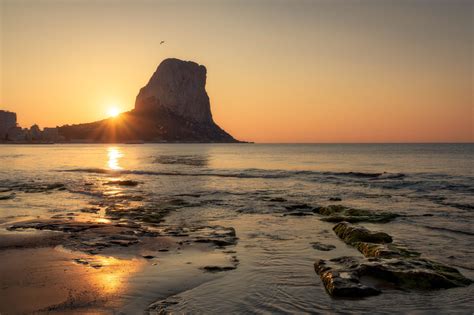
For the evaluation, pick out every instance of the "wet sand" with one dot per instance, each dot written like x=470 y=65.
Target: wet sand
x=40 y=276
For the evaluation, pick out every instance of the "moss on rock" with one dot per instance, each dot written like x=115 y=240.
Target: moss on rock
x=345 y=276
x=339 y=213
x=384 y=250
x=352 y=234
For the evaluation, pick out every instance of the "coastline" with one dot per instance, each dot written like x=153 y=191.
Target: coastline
x=128 y=142
x=201 y=229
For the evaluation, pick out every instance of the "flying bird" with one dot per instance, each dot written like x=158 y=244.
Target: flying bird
x=162 y=42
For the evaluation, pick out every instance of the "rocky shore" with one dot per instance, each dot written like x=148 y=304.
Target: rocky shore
x=391 y=265
x=114 y=226
x=119 y=240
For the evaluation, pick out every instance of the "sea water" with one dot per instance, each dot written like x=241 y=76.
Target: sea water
x=431 y=187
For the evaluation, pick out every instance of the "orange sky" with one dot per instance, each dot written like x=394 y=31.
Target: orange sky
x=278 y=71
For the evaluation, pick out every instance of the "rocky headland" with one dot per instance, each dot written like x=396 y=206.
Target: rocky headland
x=172 y=107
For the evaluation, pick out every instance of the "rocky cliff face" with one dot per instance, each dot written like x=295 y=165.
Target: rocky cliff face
x=180 y=87
x=172 y=107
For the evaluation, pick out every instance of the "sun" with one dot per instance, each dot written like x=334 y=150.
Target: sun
x=113 y=111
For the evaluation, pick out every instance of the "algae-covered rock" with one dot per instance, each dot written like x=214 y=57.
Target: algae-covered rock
x=371 y=244
x=126 y=182
x=352 y=234
x=339 y=213
x=300 y=206
x=384 y=250
x=162 y=306
x=322 y=247
x=376 y=218
x=414 y=273
x=330 y=210
x=342 y=283
x=6 y=197
x=387 y=263
x=345 y=276
x=218 y=268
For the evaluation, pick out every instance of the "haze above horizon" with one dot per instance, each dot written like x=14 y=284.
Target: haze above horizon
x=278 y=71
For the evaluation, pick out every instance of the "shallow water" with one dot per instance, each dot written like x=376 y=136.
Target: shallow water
x=233 y=186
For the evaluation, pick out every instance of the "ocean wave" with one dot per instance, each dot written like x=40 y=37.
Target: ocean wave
x=246 y=173
x=11 y=156
x=448 y=230
x=418 y=183
x=189 y=160
x=373 y=176
x=242 y=174
x=461 y=206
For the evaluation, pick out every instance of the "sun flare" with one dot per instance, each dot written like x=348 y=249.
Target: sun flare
x=113 y=112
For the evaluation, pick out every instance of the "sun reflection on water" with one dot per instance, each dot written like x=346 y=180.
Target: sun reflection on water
x=102 y=220
x=114 y=154
x=113 y=274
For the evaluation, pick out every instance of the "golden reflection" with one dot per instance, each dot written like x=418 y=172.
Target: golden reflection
x=102 y=220
x=113 y=273
x=114 y=154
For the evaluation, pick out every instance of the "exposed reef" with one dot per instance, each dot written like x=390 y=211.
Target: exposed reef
x=388 y=265
x=344 y=276
x=340 y=281
x=339 y=213
x=322 y=247
x=93 y=237
x=351 y=234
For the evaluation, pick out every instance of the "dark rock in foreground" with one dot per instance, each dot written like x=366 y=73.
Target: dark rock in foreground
x=390 y=265
x=344 y=276
x=342 y=282
x=322 y=247
x=35 y=187
x=6 y=197
x=339 y=213
x=371 y=244
x=301 y=206
x=217 y=235
x=384 y=250
x=218 y=268
x=127 y=182
x=352 y=234
x=172 y=107
x=56 y=225
x=298 y=213
x=162 y=306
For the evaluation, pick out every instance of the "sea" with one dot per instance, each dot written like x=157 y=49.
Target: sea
x=431 y=187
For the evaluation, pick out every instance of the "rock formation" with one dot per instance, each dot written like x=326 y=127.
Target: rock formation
x=391 y=265
x=351 y=234
x=340 y=213
x=172 y=107
x=178 y=86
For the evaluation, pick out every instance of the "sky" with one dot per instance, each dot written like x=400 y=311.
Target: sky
x=277 y=70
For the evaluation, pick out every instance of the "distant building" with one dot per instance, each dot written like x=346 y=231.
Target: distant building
x=7 y=121
x=51 y=134
x=11 y=132
x=35 y=133
x=17 y=134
